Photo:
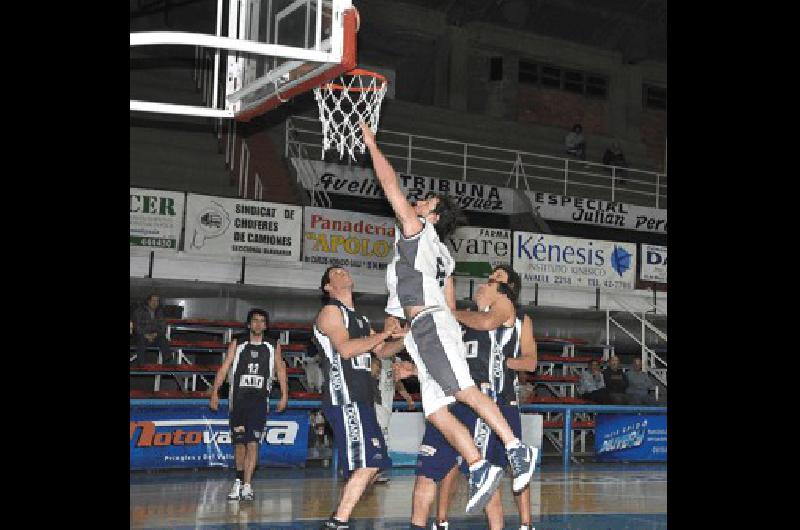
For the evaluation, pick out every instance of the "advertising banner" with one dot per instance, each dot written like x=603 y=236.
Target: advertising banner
x=221 y=225
x=478 y=250
x=360 y=182
x=348 y=239
x=191 y=436
x=156 y=218
x=654 y=263
x=572 y=262
x=631 y=437
x=598 y=212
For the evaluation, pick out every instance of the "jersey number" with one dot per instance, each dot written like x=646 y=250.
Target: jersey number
x=252 y=368
x=440 y=271
x=472 y=349
x=362 y=362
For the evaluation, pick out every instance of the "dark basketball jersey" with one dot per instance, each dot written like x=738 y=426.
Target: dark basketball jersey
x=486 y=354
x=346 y=380
x=252 y=372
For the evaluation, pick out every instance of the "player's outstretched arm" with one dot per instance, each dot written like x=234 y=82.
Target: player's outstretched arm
x=387 y=178
x=500 y=312
x=283 y=379
x=220 y=376
x=331 y=323
x=528 y=358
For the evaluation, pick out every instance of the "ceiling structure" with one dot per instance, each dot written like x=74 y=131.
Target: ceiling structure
x=637 y=28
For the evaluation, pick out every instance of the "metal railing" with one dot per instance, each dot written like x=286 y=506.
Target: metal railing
x=443 y=158
x=651 y=362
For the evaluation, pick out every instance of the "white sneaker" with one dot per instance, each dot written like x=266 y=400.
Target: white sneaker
x=247 y=492
x=236 y=490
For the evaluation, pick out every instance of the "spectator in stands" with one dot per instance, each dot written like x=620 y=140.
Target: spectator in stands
x=151 y=329
x=575 y=142
x=592 y=385
x=616 y=382
x=639 y=385
x=614 y=156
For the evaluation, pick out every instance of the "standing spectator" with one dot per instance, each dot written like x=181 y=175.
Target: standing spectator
x=575 y=142
x=639 y=385
x=614 y=156
x=592 y=386
x=151 y=329
x=616 y=382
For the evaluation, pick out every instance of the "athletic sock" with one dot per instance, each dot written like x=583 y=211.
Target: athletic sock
x=513 y=444
x=477 y=464
x=240 y=475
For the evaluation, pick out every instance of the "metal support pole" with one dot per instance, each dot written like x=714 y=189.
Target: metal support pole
x=644 y=354
x=152 y=258
x=241 y=279
x=566 y=174
x=608 y=328
x=567 y=437
x=597 y=299
x=657 y=190
x=464 y=178
x=408 y=158
x=471 y=288
x=613 y=180
x=655 y=309
x=535 y=294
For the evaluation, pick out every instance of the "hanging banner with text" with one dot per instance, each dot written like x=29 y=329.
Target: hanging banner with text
x=156 y=218
x=548 y=259
x=478 y=250
x=221 y=225
x=348 y=239
x=598 y=212
x=360 y=182
x=654 y=263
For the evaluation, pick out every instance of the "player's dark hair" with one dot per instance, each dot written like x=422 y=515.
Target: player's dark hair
x=257 y=311
x=514 y=281
x=326 y=279
x=149 y=296
x=450 y=216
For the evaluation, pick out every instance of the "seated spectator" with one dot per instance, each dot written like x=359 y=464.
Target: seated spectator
x=614 y=156
x=150 y=329
x=575 y=142
x=639 y=385
x=616 y=382
x=592 y=385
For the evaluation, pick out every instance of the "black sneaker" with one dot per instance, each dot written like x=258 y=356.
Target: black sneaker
x=332 y=523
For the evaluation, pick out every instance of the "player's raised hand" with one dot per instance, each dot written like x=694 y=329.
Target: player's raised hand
x=369 y=136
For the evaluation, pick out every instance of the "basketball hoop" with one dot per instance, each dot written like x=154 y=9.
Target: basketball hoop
x=355 y=96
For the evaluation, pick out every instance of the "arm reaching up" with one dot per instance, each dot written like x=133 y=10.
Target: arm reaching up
x=387 y=178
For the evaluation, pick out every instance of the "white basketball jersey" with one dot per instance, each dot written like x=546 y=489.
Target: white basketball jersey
x=417 y=274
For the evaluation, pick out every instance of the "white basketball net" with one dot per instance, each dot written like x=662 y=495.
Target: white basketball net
x=342 y=104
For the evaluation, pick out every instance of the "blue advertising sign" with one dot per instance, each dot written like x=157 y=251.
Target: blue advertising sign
x=190 y=436
x=631 y=437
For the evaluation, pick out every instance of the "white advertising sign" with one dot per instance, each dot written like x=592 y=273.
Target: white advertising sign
x=478 y=250
x=348 y=239
x=598 y=212
x=156 y=218
x=360 y=182
x=221 y=225
x=572 y=262
x=654 y=264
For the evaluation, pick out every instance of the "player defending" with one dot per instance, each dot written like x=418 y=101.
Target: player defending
x=348 y=394
x=256 y=364
x=499 y=342
x=421 y=290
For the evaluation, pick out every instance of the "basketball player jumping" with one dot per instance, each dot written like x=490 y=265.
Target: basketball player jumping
x=256 y=364
x=422 y=291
